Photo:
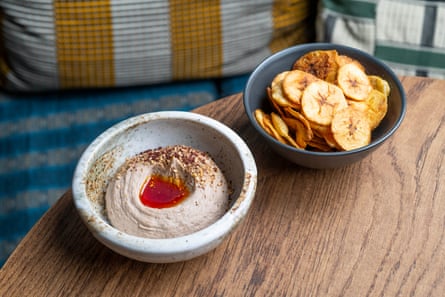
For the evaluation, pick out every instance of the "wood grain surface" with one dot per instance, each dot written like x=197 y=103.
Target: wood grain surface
x=375 y=228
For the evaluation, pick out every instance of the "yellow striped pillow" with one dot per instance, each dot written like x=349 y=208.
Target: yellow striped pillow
x=61 y=44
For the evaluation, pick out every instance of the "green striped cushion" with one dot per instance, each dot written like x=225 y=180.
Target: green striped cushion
x=408 y=35
x=54 y=44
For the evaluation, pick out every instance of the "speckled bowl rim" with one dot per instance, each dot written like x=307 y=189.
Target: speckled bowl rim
x=169 y=246
x=323 y=46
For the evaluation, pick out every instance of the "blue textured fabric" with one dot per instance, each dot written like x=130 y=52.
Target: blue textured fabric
x=232 y=85
x=43 y=135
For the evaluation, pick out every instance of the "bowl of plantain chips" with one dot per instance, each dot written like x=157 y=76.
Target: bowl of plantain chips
x=323 y=105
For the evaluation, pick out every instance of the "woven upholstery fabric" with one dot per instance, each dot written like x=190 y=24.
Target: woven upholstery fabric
x=408 y=35
x=59 y=44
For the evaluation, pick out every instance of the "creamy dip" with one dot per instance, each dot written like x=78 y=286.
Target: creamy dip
x=199 y=184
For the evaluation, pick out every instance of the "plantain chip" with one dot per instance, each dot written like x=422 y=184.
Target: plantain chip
x=320 y=63
x=350 y=129
x=320 y=101
x=327 y=102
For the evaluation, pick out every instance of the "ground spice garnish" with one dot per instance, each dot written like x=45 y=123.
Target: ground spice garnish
x=194 y=161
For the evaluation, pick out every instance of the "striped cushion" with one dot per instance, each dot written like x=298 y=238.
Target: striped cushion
x=408 y=35
x=56 y=44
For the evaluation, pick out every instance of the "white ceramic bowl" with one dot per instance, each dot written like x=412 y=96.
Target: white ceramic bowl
x=129 y=137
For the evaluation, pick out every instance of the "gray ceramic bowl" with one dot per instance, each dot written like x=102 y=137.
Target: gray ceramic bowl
x=109 y=150
x=255 y=97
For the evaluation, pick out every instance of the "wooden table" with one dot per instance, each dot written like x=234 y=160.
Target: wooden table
x=375 y=228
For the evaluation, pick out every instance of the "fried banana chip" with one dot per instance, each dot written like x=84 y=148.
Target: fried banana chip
x=259 y=116
x=377 y=104
x=319 y=144
x=276 y=91
x=330 y=141
x=274 y=133
x=294 y=84
x=327 y=102
x=343 y=60
x=265 y=121
x=354 y=82
x=379 y=84
x=281 y=127
x=325 y=133
x=297 y=115
x=303 y=133
x=320 y=130
x=350 y=129
x=321 y=100
x=277 y=107
x=321 y=63
x=360 y=106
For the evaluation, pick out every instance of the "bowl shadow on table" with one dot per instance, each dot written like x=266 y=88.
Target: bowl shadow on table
x=79 y=248
x=312 y=188
x=111 y=270
x=79 y=245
